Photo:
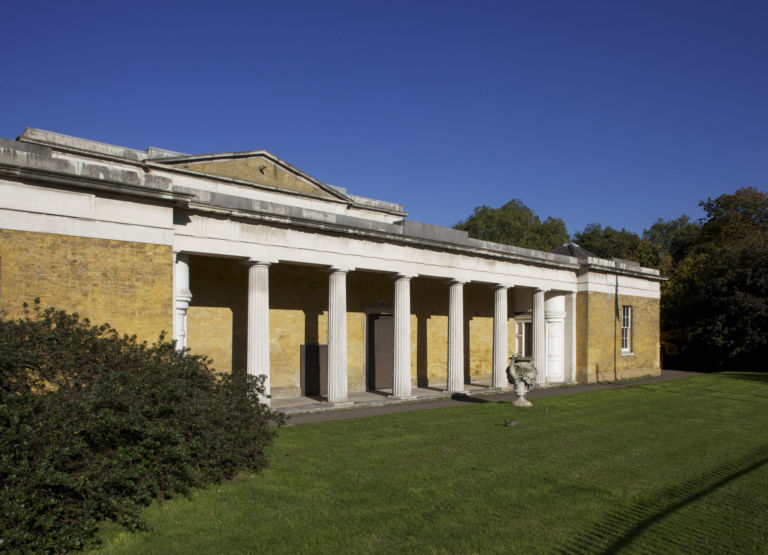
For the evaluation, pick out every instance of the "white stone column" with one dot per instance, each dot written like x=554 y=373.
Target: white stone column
x=500 y=348
x=456 y=337
x=401 y=382
x=337 y=336
x=182 y=298
x=539 y=336
x=258 y=322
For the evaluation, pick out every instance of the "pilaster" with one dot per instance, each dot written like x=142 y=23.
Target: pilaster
x=182 y=298
x=570 y=337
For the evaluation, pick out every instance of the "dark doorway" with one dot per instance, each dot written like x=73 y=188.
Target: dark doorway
x=381 y=351
x=528 y=339
x=314 y=370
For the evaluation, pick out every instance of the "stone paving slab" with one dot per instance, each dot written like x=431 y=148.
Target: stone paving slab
x=385 y=405
x=357 y=399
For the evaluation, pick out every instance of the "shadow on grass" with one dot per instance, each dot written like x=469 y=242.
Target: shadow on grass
x=619 y=529
x=464 y=398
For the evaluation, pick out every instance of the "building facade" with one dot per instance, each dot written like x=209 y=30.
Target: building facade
x=265 y=269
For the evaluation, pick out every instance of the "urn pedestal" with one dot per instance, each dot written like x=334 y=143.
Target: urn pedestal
x=520 y=390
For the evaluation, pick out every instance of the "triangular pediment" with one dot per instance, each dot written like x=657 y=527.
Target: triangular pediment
x=259 y=168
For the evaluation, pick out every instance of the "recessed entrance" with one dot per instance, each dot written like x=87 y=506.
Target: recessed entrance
x=381 y=351
x=314 y=370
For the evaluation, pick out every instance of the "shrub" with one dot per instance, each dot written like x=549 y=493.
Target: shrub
x=95 y=426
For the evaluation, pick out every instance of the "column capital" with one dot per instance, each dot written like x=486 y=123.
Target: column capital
x=256 y=262
x=339 y=270
x=554 y=316
x=503 y=286
x=403 y=276
x=456 y=281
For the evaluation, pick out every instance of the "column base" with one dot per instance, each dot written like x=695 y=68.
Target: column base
x=402 y=397
x=340 y=404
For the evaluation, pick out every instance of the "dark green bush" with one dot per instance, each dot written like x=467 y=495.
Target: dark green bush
x=94 y=426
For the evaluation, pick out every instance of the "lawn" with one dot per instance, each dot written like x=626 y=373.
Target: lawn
x=667 y=468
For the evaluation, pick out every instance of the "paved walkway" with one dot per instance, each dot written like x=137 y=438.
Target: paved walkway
x=374 y=404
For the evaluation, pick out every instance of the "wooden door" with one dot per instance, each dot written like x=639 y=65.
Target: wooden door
x=382 y=351
x=555 y=352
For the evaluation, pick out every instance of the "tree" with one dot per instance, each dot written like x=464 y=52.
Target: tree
x=515 y=224
x=610 y=243
x=718 y=293
x=673 y=240
x=676 y=237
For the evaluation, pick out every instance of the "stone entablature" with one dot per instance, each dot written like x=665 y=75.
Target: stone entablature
x=605 y=282
x=255 y=209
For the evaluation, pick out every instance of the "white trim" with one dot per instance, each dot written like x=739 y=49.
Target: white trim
x=210 y=237
x=90 y=229
x=522 y=319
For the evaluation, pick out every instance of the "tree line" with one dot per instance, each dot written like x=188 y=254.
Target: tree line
x=716 y=292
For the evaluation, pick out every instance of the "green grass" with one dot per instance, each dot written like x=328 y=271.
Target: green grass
x=667 y=468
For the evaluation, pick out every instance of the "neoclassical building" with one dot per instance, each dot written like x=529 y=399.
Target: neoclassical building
x=249 y=260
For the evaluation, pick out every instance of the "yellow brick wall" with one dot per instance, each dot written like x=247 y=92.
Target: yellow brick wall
x=478 y=332
x=298 y=300
x=217 y=317
x=429 y=331
x=429 y=305
x=599 y=337
x=128 y=285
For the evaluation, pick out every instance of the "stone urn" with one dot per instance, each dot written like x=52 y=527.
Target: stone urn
x=522 y=374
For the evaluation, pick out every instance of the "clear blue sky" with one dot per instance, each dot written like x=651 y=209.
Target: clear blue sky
x=613 y=112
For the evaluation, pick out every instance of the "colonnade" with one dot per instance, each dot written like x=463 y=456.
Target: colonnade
x=549 y=312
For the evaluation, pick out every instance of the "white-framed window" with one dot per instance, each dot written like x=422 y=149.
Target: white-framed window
x=523 y=337
x=626 y=329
